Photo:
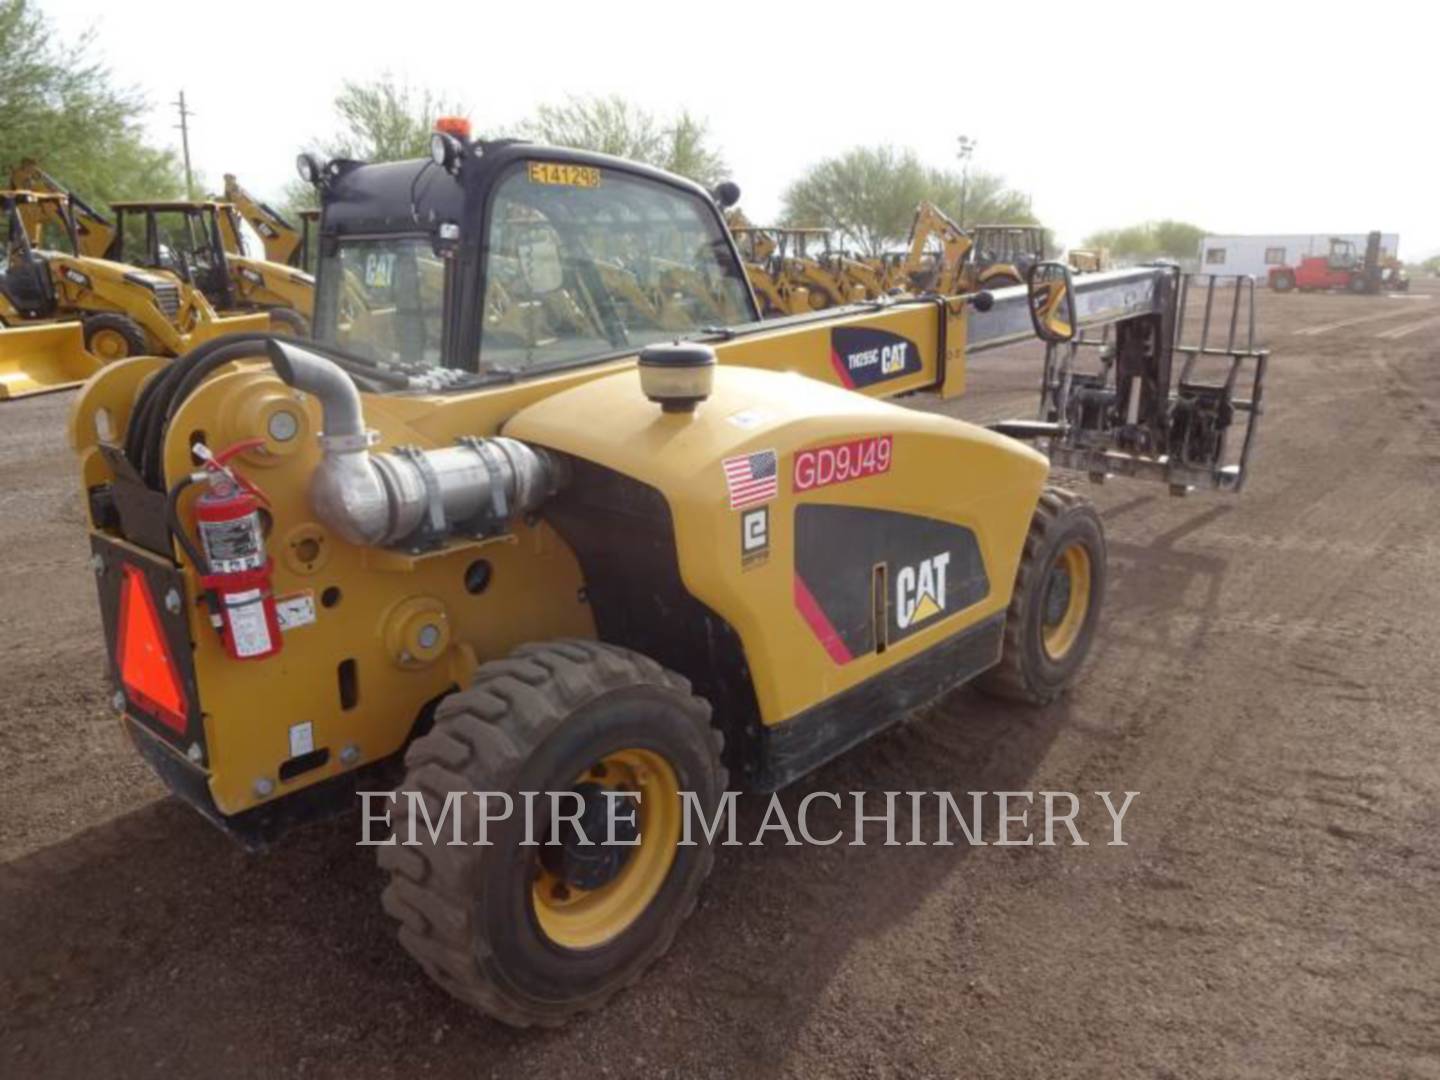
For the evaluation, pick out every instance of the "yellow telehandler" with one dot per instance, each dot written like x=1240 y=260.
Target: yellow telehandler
x=547 y=592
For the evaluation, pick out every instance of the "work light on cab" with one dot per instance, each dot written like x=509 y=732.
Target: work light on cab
x=448 y=141
x=309 y=168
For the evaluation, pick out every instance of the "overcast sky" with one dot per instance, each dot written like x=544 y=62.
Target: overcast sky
x=1254 y=117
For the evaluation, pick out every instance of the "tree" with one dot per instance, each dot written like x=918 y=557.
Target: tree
x=868 y=196
x=1149 y=240
x=61 y=108
x=381 y=120
x=613 y=125
x=386 y=120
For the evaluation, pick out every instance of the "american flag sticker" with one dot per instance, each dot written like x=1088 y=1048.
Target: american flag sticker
x=752 y=478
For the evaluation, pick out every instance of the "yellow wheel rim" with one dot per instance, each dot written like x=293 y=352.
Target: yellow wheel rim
x=1066 y=600
x=577 y=918
x=109 y=345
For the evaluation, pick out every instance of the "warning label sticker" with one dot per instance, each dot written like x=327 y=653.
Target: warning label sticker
x=295 y=610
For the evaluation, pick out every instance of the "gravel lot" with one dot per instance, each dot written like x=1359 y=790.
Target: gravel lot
x=1266 y=679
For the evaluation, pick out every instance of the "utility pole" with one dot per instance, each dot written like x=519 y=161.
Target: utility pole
x=184 y=127
x=967 y=147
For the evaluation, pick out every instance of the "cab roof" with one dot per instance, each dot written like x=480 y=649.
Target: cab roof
x=171 y=204
x=416 y=195
x=34 y=196
x=390 y=197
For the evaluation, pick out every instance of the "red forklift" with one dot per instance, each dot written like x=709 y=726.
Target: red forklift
x=1343 y=269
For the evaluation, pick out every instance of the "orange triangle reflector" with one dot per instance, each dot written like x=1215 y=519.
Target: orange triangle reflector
x=146 y=667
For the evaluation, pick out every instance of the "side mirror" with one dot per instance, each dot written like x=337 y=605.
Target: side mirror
x=1052 y=301
x=726 y=193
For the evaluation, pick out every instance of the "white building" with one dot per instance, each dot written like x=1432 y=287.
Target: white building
x=1256 y=254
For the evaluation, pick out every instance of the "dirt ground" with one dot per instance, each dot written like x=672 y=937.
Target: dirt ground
x=1266 y=679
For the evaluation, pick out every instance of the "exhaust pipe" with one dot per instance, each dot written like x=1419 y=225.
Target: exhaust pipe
x=408 y=496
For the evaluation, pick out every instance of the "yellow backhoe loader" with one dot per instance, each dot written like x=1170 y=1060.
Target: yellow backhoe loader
x=819 y=274
x=928 y=268
x=283 y=241
x=1088 y=260
x=623 y=568
x=93 y=231
x=759 y=248
x=40 y=357
x=200 y=243
x=942 y=257
x=120 y=310
x=1002 y=255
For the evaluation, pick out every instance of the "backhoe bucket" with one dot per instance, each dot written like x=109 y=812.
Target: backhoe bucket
x=228 y=324
x=40 y=359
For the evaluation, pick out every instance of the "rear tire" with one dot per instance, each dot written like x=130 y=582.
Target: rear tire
x=288 y=321
x=504 y=927
x=111 y=336
x=1282 y=282
x=1050 y=624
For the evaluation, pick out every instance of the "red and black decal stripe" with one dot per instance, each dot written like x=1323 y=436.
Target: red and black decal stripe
x=838 y=550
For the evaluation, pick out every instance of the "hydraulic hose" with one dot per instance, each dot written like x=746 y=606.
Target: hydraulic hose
x=177 y=527
x=163 y=395
x=158 y=389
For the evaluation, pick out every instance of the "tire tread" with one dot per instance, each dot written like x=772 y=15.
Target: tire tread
x=480 y=738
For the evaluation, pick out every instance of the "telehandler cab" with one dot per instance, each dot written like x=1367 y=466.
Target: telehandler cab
x=517 y=537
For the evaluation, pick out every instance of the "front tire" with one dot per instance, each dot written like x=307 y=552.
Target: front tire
x=535 y=934
x=111 y=336
x=1050 y=624
x=288 y=321
x=1000 y=281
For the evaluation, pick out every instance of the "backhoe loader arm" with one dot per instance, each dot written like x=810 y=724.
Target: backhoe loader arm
x=931 y=223
x=93 y=231
x=281 y=238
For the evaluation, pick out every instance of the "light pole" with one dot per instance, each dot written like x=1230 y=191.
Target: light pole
x=967 y=147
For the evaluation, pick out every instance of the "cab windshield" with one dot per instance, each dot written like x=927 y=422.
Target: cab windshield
x=585 y=262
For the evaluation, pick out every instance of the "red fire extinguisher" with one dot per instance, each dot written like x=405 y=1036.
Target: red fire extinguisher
x=238 y=569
